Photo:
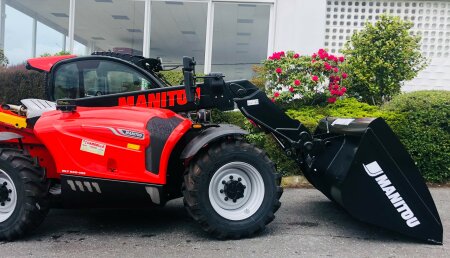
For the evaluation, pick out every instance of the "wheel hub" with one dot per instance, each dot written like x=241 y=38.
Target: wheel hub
x=233 y=189
x=8 y=196
x=236 y=190
x=4 y=194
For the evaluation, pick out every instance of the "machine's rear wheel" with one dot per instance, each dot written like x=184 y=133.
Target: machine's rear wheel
x=232 y=189
x=23 y=194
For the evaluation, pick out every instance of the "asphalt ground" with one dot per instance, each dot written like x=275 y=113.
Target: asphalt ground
x=307 y=225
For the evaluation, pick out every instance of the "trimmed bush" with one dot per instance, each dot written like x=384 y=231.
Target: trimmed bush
x=17 y=83
x=175 y=77
x=424 y=130
x=380 y=57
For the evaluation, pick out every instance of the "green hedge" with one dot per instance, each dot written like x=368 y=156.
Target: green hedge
x=17 y=83
x=175 y=77
x=424 y=130
x=419 y=119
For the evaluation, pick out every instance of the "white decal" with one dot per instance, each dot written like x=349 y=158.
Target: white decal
x=342 y=121
x=93 y=147
x=72 y=185
x=374 y=170
x=79 y=185
x=68 y=171
x=128 y=133
x=252 y=102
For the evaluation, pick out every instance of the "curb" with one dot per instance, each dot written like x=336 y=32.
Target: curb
x=295 y=182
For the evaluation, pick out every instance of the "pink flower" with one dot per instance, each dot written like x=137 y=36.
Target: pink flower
x=327 y=66
x=344 y=90
x=282 y=53
x=341 y=59
x=296 y=55
x=314 y=56
x=297 y=82
x=331 y=100
x=278 y=70
x=336 y=86
x=273 y=99
x=344 y=75
x=291 y=89
x=276 y=94
x=335 y=69
x=315 y=78
x=322 y=54
x=271 y=58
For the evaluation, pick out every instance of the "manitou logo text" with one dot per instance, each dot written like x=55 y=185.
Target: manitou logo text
x=158 y=99
x=374 y=170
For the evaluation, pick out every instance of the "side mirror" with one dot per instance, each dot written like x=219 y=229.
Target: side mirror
x=189 y=81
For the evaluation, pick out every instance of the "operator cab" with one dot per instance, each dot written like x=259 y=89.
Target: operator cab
x=102 y=73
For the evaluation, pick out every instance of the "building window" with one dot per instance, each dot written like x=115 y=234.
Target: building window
x=178 y=29
x=240 y=38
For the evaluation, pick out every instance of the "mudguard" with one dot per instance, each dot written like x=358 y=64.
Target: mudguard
x=209 y=135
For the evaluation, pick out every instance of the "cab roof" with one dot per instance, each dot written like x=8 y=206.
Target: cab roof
x=45 y=64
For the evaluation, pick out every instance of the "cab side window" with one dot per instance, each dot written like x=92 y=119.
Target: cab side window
x=66 y=82
x=95 y=78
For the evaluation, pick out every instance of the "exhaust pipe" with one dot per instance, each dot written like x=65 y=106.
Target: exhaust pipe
x=18 y=109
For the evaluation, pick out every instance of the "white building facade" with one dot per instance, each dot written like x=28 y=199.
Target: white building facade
x=229 y=36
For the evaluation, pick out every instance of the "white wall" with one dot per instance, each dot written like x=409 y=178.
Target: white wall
x=300 y=25
x=435 y=77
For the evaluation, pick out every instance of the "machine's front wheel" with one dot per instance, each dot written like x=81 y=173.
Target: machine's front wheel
x=232 y=189
x=23 y=194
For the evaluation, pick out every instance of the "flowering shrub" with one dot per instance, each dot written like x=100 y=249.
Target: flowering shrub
x=310 y=79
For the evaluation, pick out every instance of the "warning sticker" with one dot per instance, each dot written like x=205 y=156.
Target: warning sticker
x=93 y=147
x=342 y=121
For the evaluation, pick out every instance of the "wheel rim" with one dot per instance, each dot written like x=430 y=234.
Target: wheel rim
x=236 y=191
x=8 y=196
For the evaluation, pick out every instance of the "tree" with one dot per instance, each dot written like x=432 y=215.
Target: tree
x=381 y=57
x=3 y=59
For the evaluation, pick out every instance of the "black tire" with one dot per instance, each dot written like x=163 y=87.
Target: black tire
x=197 y=190
x=31 y=194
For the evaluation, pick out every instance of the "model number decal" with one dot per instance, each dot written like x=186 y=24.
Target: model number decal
x=132 y=134
x=127 y=133
x=93 y=147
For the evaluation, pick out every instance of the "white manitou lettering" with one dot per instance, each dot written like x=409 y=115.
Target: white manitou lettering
x=374 y=170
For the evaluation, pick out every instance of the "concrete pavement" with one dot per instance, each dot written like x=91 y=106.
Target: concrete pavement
x=307 y=225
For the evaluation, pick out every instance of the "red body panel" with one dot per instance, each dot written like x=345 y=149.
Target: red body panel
x=45 y=64
x=31 y=144
x=86 y=142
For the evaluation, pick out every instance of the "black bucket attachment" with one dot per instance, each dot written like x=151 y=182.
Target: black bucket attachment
x=364 y=167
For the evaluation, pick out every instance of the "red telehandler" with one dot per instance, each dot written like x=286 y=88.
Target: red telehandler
x=113 y=134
